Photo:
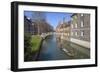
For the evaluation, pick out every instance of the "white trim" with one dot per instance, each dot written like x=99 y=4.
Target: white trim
x=81 y=42
x=82 y=23
x=75 y=25
x=82 y=33
x=34 y=64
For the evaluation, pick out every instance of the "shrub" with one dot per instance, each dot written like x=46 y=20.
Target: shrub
x=27 y=45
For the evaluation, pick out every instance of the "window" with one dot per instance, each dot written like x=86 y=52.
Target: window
x=82 y=33
x=76 y=33
x=75 y=25
x=81 y=14
x=82 y=24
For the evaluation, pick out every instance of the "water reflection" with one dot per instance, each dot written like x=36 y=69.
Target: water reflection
x=71 y=49
x=55 y=48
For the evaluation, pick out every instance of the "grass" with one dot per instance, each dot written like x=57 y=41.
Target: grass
x=31 y=46
x=35 y=42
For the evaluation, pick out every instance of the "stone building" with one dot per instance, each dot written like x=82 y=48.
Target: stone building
x=63 y=31
x=36 y=27
x=28 y=27
x=80 y=29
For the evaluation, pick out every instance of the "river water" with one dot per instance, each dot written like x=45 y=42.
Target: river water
x=53 y=50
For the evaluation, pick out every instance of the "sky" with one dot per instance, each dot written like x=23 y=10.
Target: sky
x=53 y=18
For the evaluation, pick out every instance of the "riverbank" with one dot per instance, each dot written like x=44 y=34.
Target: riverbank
x=32 y=47
x=36 y=43
x=37 y=53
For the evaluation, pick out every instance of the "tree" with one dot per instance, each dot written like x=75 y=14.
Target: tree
x=27 y=46
x=39 y=18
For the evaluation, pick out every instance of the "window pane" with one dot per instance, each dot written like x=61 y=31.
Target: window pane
x=82 y=24
x=82 y=33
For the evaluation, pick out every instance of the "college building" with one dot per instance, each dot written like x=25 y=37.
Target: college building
x=80 y=29
x=36 y=27
x=63 y=31
x=28 y=27
x=77 y=30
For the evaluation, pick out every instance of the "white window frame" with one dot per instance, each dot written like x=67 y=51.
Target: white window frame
x=82 y=33
x=75 y=25
x=76 y=33
x=82 y=24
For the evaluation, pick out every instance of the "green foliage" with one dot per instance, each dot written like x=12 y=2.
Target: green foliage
x=27 y=44
x=31 y=45
x=35 y=41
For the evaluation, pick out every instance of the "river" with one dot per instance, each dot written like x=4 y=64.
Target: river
x=51 y=50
